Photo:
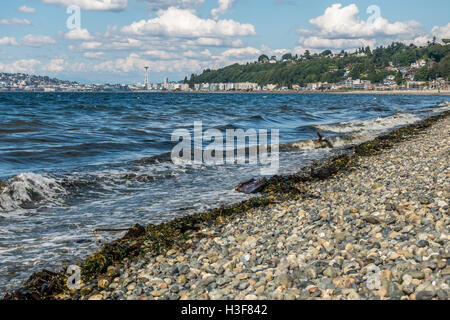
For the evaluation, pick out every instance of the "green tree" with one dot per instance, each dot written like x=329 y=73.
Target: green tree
x=399 y=78
x=287 y=56
x=263 y=58
x=307 y=55
x=423 y=74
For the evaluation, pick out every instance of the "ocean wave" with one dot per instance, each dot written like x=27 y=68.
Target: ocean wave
x=26 y=189
x=334 y=142
x=370 y=125
x=31 y=190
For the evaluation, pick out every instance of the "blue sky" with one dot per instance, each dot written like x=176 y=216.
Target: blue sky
x=117 y=38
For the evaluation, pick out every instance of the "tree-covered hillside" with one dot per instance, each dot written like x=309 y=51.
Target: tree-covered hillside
x=365 y=64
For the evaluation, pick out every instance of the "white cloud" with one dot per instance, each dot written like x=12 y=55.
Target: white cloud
x=241 y=53
x=343 y=22
x=301 y=50
x=55 y=65
x=26 y=9
x=418 y=41
x=160 y=54
x=164 y=4
x=205 y=54
x=33 y=40
x=78 y=34
x=273 y=52
x=215 y=42
x=124 y=44
x=15 y=21
x=94 y=5
x=90 y=45
x=340 y=27
x=323 y=43
x=224 y=6
x=176 y=22
x=8 y=41
x=93 y=55
x=21 y=66
x=441 y=32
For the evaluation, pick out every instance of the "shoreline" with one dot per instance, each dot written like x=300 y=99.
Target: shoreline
x=154 y=241
x=356 y=92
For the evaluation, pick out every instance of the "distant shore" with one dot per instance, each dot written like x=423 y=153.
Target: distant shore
x=374 y=92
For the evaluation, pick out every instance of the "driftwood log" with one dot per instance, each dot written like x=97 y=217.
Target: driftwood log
x=252 y=186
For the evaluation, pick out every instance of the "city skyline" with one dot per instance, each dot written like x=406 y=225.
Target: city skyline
x=114 y=40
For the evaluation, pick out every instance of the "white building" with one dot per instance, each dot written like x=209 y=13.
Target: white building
x=418 y=64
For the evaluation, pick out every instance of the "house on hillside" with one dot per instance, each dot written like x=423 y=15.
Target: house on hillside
x=418 y=64
x=389 y=81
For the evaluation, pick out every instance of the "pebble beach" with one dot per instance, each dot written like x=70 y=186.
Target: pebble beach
x=378 y=231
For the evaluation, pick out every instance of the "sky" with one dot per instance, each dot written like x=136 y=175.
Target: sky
x=111 y=41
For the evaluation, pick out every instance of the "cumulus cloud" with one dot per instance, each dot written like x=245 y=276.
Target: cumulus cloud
x=164 y=4
x=343 y=22
x=90 y=45
x=135 y=62
x=273 y=52
x=340 y=27
x=175 y=22
x=34 y=40
x=215 y=42
x=441 y=32
x=224 y=6
x=21 y=66
x=26 y=9
x=15 y=21
x=78 y=34
x=160 y=54
x=323 y=43
x=93 y=55
x=124 y=44
x=55 y=65
x=205 y=54
x=241 y=53
x=93 y=5
x=8 y=41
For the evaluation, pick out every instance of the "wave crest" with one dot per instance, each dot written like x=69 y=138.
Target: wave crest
x=26 y=189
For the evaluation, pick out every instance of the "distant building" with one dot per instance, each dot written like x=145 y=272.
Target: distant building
x=417 y=85
x=389 y=81
x=270 y=87
x=361 y=84
x=418 y=64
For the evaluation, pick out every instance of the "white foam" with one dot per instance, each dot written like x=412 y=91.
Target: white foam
x=443 y=106
x=371 y=125
x=336 y=142
x=24 y=187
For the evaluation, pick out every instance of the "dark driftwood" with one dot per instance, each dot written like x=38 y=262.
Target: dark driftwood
x=134 y=232
x=252 y=186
